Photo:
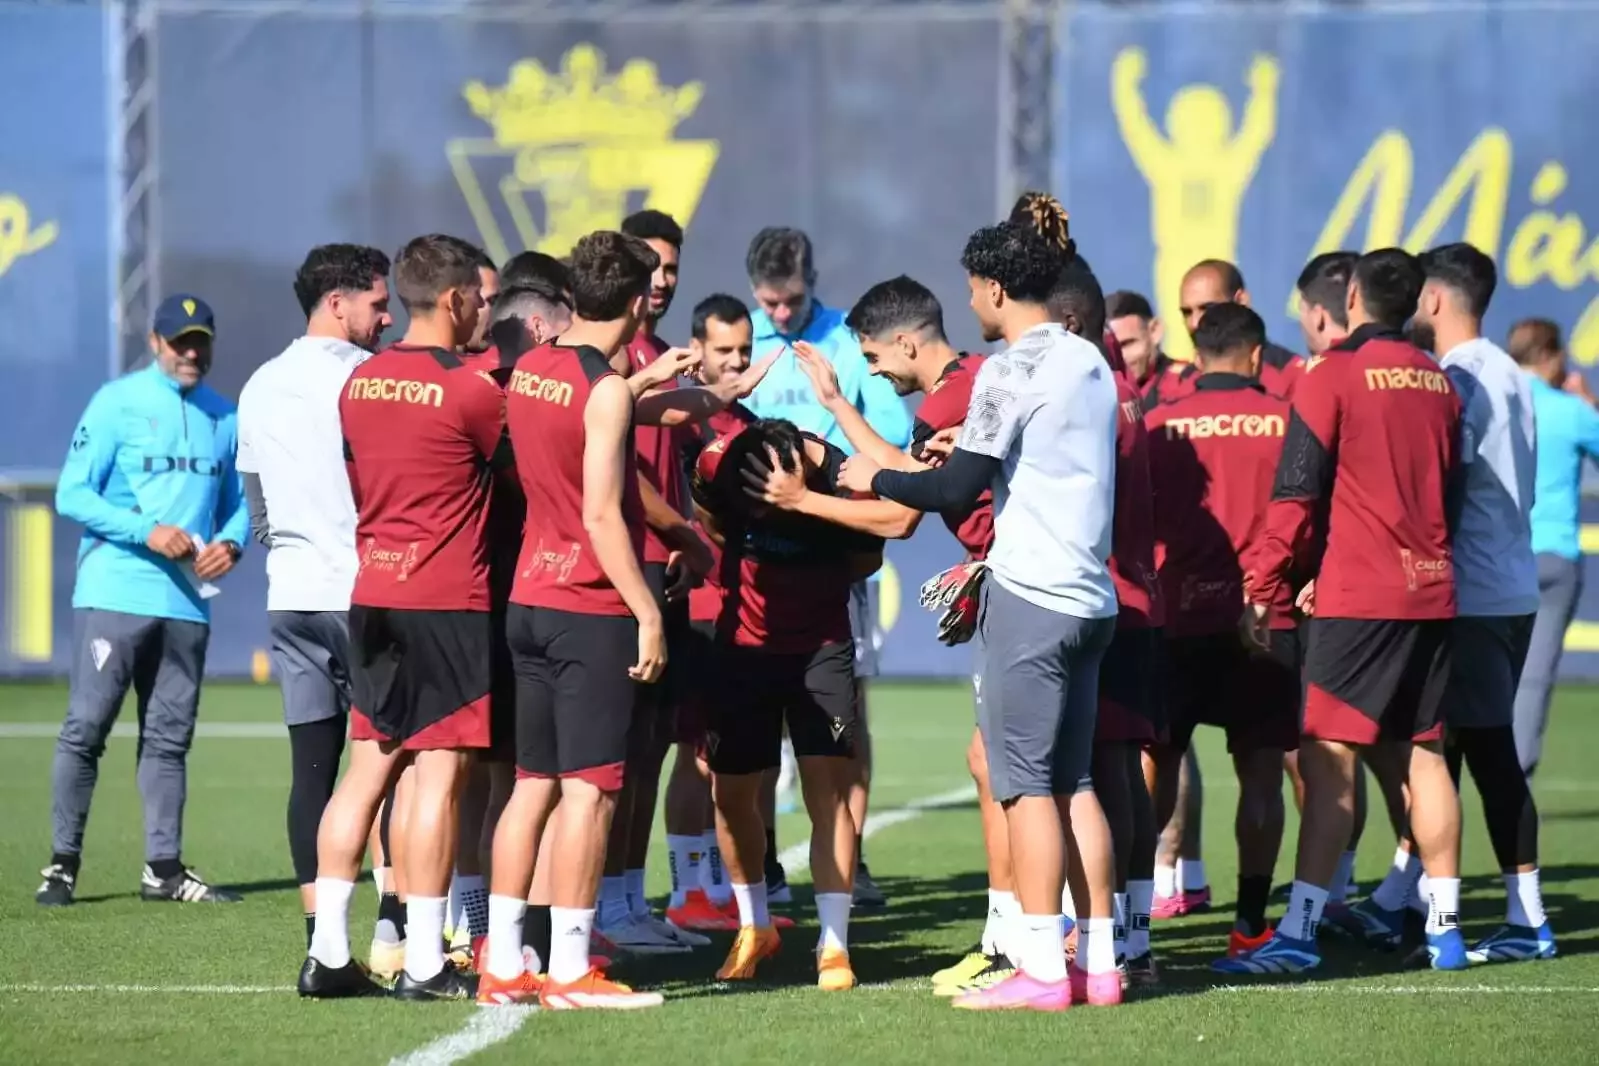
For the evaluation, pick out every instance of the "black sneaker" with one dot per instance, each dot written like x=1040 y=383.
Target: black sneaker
x=185 y=887
x=320 y=981
x=777 y=890
x=448 y=983
x=57 y=890
x=866 y=893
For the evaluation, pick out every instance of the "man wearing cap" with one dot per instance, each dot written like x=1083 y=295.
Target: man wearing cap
x=150 y=476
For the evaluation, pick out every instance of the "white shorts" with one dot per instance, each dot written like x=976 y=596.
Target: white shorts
x=863 y=600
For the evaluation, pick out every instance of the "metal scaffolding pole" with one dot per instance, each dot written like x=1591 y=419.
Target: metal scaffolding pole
x=1027 y=98
x=139 y=205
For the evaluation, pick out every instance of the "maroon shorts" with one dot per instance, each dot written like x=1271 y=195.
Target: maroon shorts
x=1253 y=695
x=421 y=678
x=1368 y=679
x=1130 y=697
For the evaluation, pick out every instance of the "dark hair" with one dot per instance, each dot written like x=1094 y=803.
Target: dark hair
x=526 y=300
x=1389 y=281
x=1532 y=340
x=652 y=225
x=1324 y=283
x=1228 y=329
x=1122 y=303
x=1077 y=293
x=1231 y=278
x=1466 y=270
x=779 y=253
x=430 y=266
x=720 y=306
x=1045 y=215
x=901 y=303
x=609 y=271
x=337 y=268
x=724 y=496
x=1023 y=262
x=525 y=267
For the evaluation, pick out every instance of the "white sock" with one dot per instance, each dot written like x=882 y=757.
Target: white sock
x=454 y=909
x=1000 y=907
x=638 y=904
x=1165 y=881
x=1192 y=874
x=1140 y=899
x=1443 y=912
x=505 y=937
x=1524 y=900
x=683 y=854
x=1043 y=950
x=1068 y=906
x=380 y=878
x=570 y=930
x=713 y=875
x=752 y=904
x=424 y=936
x=330 y=933
x=1421 y=898
x=1096 y=945
x=1399 y=882
x=832 y=910
x=1119 y=901
x=1304 y=912
x=1341 y=878
x=613 y=901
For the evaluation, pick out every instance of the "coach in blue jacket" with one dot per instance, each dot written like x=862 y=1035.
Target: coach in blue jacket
x=150 y=475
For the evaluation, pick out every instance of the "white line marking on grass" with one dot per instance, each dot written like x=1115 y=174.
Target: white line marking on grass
x=488 y=1027
x=129 y=730
x=184 y=990
x=797 y=857
x=1406 y=990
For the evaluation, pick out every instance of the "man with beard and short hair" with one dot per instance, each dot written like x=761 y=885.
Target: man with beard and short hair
x=1216 y=281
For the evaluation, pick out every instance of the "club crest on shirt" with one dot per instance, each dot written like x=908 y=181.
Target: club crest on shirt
x=100 y=652
x=577 y=144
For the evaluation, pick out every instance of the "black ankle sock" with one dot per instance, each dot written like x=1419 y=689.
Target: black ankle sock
x=536 y=932
x=391 y=910
x=166 y=869
x=66 y=861
x=1253 y=892
x=860 y=850
x=310 y=927
x=771 y=847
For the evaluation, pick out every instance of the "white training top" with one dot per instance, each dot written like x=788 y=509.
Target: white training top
x=291 y=438
x=1046 y=407
x=1496 y=573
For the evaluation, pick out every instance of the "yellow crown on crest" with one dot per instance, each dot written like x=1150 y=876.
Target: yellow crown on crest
x=581 y=103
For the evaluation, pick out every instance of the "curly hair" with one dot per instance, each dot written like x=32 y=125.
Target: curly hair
x=1045 y=214
x=1024 y=263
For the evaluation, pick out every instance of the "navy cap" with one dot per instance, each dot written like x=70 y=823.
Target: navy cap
x=182 y=314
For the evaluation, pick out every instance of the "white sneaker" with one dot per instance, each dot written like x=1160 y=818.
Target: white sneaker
x=682 y=936
x=638 y=937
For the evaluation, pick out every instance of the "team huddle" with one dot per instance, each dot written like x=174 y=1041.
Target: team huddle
x=570 y=546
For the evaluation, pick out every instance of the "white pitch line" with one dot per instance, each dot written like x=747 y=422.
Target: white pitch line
x=1406 y=990
x=489 y=1026
x=129 y=730
x=797 y=857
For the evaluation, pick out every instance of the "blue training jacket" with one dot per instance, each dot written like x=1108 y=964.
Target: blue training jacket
x=147 y=453
x=786 y=392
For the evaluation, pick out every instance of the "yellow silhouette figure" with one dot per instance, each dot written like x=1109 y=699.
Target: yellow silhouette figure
x=1197 y=171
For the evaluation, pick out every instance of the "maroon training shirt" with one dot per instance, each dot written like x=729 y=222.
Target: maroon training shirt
x=544 y=405
x=1132 y=535
x=421 y=433
x=1213 y=454
x=705 y=599
x=1370 y=448
x=507 y=504
x=657 y=449
x=944 y=407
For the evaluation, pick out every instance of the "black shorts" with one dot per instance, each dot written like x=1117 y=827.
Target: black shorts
x=1254 y=695
x=1485 y=670
x=1370 y=679
x=758 y=691
x=574 y=696
x=1131 y=688
x=420 y=677
x=666 y=693
x=696 y=666
x=502 y=694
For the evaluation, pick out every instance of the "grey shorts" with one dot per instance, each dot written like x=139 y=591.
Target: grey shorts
x=1037 y=694
x=311 y=656
x=1487 y=655
x=864 y=597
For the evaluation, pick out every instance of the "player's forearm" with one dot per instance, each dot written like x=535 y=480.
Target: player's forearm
x=679 y=407
x=1289 y=528
x=880 y=518
x=660 y=516
x=862 y=437
x=955 y=485
x=613 y=550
